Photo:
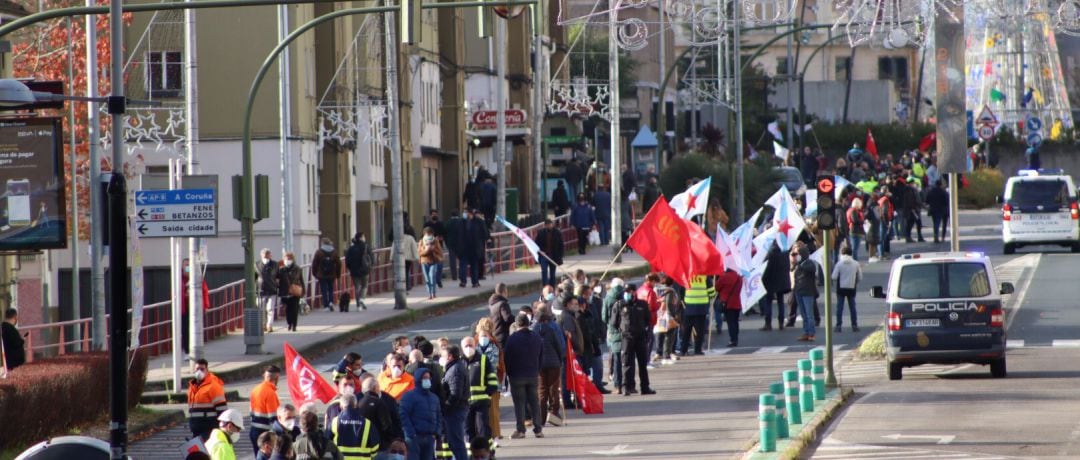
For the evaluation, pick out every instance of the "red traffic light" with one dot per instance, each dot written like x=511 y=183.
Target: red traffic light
x=825 y=184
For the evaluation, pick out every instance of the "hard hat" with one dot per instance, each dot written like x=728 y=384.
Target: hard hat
x=232 y=416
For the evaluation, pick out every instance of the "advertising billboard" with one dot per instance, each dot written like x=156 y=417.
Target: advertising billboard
x=33 y=211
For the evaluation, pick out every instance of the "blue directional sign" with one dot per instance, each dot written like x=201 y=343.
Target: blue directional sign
x=1034 y=139
x=1034 y=124
x=176 y=213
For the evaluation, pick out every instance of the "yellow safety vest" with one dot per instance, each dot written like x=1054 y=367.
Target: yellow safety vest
x=699 y=293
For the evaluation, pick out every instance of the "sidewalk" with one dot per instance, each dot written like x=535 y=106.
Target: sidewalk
x=320 y=331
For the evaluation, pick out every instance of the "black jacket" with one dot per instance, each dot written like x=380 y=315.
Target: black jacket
x=777 y=276
x=937 y=201
x=268 y=277
x=455 y=384
x=551 y=243
x=501 y=316
x=523 y=354
x=358 y=259
x=474 y=238
x=632 y=319
x=383 y=415
x=560 y=201
x=806 y=277
x=588 y=323
x=14 y=350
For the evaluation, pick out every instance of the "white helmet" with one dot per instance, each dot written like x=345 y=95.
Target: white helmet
x=615 y=282
x=232 y=416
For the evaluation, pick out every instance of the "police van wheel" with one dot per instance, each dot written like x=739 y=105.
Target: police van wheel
x=1075 y=248
x=1011 y=248
x=896 y=371
x=997 y=368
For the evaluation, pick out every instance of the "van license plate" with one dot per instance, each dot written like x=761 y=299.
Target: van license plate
x=930 y=322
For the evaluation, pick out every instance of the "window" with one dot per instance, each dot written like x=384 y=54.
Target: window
x=1052 y=194
x=164 y=73
x=893 y=68
x=781 y=65
x=967 y=280
x=843 y=68
x=962 y=279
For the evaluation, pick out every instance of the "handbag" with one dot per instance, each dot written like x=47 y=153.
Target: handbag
x=296 y=290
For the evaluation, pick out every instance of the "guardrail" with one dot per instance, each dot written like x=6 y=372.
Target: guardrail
x=226 y=310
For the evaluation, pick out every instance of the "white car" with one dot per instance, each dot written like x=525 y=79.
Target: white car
x=1040 y=208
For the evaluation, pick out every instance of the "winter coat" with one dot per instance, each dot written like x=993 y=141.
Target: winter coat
x=455 y=384
x=614 y=337
x=359 y=259
x=560 y=200
x=382 y=413
x=855 y=219
x=777 y=275
x=806 y=276
x=568 y=322
x=409 y=248
x=287 y=276
x=847 y=273
x=937 y=202
x=590 y=339
x=729 y=290
x=326 y=265
x=523 y=354
x=420 y=409
x=315 y=446
x=631 y=318
x=554 y=349
x=602 y=202
x=501 y=316
x=267 y=277
x=455 y=227
x=647 y=294
x=582 y=216
x=474 y=239
x=551 y=243
x=430 y=253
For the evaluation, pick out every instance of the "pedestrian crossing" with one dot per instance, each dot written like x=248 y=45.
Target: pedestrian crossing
x=831 y=449
x=775 y=350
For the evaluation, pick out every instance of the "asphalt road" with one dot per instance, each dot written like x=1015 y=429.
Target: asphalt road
x=960 y=411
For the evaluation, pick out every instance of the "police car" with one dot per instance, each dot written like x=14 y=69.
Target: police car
x=944 y=308
x=1040 y=207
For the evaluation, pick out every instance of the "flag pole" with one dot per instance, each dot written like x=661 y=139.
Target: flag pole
x=608 y=268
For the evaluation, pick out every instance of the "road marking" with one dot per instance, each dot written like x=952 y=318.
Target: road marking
x=941 y=439
x=619 y=449
x=1014 y=344
x=1066 y=343
x=769 y=350
x=1017 y=301
x=718 y=351
x=832 y=449
x=426 y=332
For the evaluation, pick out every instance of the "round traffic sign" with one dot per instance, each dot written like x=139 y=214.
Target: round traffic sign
x=1034 y=124
x=1034 y=140
x=825 y=185
x=986 y=132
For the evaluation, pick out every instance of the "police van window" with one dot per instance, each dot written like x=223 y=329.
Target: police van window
x=967 y=280
x=921 y=281
x=1040 y=192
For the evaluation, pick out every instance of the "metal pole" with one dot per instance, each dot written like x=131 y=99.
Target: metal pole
x=76 y=302
x=789 y=69
x=97 y=208
x=500 y=119
x=191 y=95
x=830 y=375
x=954 y=213
x=740 y=192
x=538 y=116
x=616 y=155
x=397 y=200
x=286 y=132
x=660 y=105
x=118 y=260
x=177 y=292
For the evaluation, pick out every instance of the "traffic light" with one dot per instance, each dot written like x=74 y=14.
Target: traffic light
x=826 y=202
x=410 y=16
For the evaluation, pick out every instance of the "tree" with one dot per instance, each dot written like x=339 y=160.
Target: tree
x=590 y=59
x=42 y=52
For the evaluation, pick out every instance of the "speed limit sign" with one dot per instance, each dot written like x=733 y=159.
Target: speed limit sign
x=986 y=132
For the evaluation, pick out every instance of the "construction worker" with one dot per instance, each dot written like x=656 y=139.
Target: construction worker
x=351 y=367
x=354 y=435
x=264 y=404
x=206 y=400
x=695 y=317
x=225 y=436
x=483 y=382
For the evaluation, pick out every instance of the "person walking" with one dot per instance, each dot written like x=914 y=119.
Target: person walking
x=602 y=204
x=221 y=441
x=452 y=241
x=805 y=289
x=354 y=435
x=729 y=296
x=456 y=405
x=847 y=273
x=290 y=288
x=266 y=271
x=937 y=203
x=885 y=212
x=583 y=219
x=632 y=320
x=326 y=268
x=359 y=259
x=573 y=173
x=695 y=317
x=554 y=356
x=523 y=358
x=857 y=228
x=431 y=256
x=206 y=400
x=264 y=404
x=560 y=199
x=614 y=337
x=421 y=416
x=411 y=254
x=439 y=230
x=473 y=247
x=14 y=344
x=550 y=241
x=777 y=281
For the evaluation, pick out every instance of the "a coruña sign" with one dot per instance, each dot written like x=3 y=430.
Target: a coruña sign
x=487 y=119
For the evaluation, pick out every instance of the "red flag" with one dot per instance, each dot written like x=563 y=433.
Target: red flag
x=677 y=247
x=871 y=146
x=589 y=398
x=928 y=142
x=305 y=384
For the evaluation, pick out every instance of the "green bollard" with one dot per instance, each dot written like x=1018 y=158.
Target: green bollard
x=806 y=385
x=777 y=390
x=817 y=355
x=791 y=384
x=767 y=419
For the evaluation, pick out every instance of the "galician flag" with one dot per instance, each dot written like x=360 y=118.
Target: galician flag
x=752 y=287
x=693 y=201
x=529 y=243
x=841 y=184
x=787 y=220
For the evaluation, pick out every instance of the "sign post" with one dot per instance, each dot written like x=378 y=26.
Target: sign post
x=176 y=213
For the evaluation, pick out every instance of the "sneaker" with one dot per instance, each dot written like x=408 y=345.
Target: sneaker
x=461 y=284
x=539 y=434
x=732 y=344
x=518 y=435
x=873 y=260
x=854 y=328
x=667 y=362
x=674 y=357
x=650 y=366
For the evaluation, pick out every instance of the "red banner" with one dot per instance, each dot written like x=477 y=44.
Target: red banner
x=590 y=400
x=305 y=384
x=677 y=247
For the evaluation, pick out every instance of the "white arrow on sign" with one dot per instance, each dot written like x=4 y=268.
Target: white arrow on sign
x=619 y=449
x=941 y=439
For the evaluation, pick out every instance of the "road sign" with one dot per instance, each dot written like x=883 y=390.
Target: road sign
x=1034 y=139
x=176 y=213
x=986 y=117
x=1034 y=124
x=986 y=132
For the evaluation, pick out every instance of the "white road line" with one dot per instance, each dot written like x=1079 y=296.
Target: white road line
x=769 y=350
x=1017 y=301
x=1014 y=344
x=718 y=351
x=1066 y=343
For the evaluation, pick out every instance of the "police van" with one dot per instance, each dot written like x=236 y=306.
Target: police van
x=1040 y=207
x=944 y=308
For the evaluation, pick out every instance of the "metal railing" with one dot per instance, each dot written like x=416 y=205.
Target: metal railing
x=225 y=313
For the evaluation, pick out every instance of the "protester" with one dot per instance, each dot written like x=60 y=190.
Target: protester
x=285 y=422
x=290 y=288
x=264 y=445
x=492 y=350
x=614 y=337
x=776 y=280
x=632 y=320
x=421 y=416
x=857 y=229
x=549 y=240
x=847 y=275
x=264 y=404
x=381 y=410
x=695 y=317
x=393 y=380
x=312 y=443
x=647 y=293
x=221 y=442
x=671 y=310
x=805 y=289
x=354 y=435
x=206 y=400
x=359 y=259
x=524 y=357
x=554 y=356
x=937 y=202
x=729 y=297
x=326 y=268
x=431 y=256
x=456 y=403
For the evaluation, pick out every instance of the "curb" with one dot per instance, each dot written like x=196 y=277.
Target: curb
x=807 y=433
x=161 y=397
x=402 y=318
x=167 y=419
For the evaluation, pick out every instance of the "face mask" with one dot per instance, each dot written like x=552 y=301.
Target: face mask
x=200 y=375
x=289 y=424
x=406 y=350
x=628 y=296
x=549 y=297
x=443 y=362
x=396 y=457
x=234 y=437
x=597 y=290
x=396 y=372
x=428 y=238
x=484 y=341
x=288 y=262
x=187 y=269
x=348 y=390
x=265 y=260
x=425 y=384
x=469 y=352
x=358 y=372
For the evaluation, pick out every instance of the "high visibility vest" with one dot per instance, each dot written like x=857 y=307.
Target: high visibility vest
x=351 y=445
x=206 y=399
x=478 y=386
x=443 y=450
x=700 y=292
x=264 y=405
x=219 y=446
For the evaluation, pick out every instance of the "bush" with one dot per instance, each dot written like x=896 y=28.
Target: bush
x=50 y=397
x=984 y=185
x=759 y=180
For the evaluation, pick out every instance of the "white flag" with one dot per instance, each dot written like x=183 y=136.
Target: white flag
x=819 y=257
x=774 y=129
x=752 y=287
x=780 y=151
x=841 y=184
x=811 y=202
x=694 y=201
x=524 y=237
x=807 y=127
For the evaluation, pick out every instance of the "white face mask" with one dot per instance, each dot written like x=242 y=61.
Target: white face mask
x=406 y=350
x=200 y=375
x=289 y=424
x=443 y=362
x=348 y=390
x=358 y=372
x=288 y=262
x=234 y=437
x=484 y=341
x=396 y=372
x=469 y=352
x=265 y=260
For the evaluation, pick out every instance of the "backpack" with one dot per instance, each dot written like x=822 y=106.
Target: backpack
x=326 y=265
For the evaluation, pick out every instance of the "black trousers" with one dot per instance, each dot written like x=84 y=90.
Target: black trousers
x=699 y=325
x=582 y=240
x=732 y=319
x=476 y=422
x=635 y=352
x=525 y=393
x=292 y=310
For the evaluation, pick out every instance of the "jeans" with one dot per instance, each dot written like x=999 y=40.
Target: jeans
x=421 y=447
x=526 y=403
x=596 y=368
x=806 y=309
x=766 y=307
x=635 y=353
x=359 y=289
x=883 y=242
x=605 y=228
x=455 y=431
x=699 y=325
x=268 y=303
x=854 y=242
x=547 y=272
x=477 y=420
x=849 y=295
x=550 y=399
x=718 y=316
x=326 y=288
x=582 y=240
x=732 y=319
x=430 y=277
x=467 y=265
x=942 y=222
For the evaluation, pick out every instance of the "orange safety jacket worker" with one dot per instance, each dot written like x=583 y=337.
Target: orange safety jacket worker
x=206 y=401
x=264 y=405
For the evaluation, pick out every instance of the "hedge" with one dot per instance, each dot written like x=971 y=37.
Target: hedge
x=983 y=187
x=50 y=397
x=759 y=179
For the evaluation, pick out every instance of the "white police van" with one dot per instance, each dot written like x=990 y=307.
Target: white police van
x=944 y=308
x=1039 y=207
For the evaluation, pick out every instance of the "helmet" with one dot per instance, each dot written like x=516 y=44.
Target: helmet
x=232 y=416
